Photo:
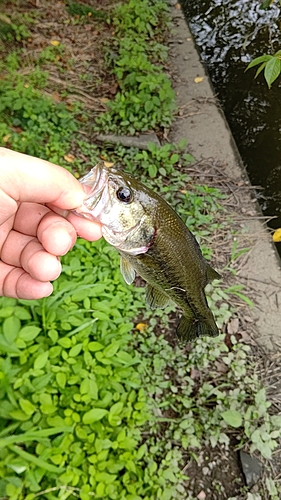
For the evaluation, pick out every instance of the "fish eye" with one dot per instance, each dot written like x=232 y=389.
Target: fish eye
x=124 y=194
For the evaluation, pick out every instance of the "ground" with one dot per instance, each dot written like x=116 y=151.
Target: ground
x=216 y=475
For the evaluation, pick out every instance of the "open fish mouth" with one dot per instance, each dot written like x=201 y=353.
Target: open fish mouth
x=95 y=183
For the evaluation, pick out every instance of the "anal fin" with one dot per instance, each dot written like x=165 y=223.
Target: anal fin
x=212 y=274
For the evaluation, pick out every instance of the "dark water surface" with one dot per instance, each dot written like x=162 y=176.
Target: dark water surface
x=229 y=34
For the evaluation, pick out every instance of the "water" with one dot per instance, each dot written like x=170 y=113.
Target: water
x=229 y=34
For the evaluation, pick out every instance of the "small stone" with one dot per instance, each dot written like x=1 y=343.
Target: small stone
x=248 y=319
x=205 y=471
x=233 y=326
x=251 y=467
x=138 y=141
x=201 y=495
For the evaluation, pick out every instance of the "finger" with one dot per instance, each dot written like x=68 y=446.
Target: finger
x=55 y=233
x=87 y=229
x=26 y=252
x=5 y=229
x=25 y=178
x=16 y=283
x=28 y=217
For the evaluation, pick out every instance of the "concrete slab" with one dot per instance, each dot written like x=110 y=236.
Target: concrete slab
x=203 y=124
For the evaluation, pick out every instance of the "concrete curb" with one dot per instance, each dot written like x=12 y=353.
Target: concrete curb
x=208 y=135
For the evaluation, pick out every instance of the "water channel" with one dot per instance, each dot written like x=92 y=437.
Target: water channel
x=229 y=34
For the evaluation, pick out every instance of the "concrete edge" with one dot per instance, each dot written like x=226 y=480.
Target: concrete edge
x=204 y=125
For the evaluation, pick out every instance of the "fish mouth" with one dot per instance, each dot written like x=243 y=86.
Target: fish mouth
x=94 y=184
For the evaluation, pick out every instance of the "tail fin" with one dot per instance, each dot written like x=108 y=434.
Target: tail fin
x=191 y=328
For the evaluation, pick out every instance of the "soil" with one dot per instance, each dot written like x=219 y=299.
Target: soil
x=82 y=75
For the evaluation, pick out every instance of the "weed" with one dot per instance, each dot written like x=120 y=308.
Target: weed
x=11 y=31
x=211 y=393
x=72 y=392
x=79 y=9
x=34 y=124
x=146 y=99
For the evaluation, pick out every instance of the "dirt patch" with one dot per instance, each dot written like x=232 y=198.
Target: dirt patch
x=215 y=475
x=73 y=51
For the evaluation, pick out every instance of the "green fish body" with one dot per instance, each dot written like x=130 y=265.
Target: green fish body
x=154 y=242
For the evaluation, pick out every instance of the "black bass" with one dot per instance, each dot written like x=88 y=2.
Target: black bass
x=154 y=242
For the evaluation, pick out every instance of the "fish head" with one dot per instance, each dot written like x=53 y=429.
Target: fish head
x=123 y=206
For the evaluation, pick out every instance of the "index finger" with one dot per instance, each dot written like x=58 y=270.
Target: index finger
x=25 y=178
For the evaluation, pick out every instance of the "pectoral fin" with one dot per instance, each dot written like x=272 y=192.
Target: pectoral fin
x=155 y=298
x=127 y=271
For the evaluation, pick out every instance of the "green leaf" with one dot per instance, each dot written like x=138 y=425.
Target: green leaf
x=152 y=171
x=34 y=435
x=152 y=147
x=94 y=415
x=35 y=460
x=258 y=60
x=11 y=328
x=41 y=360
x=6 y=311
x=126 y=358
x=101 y=315
x=27 y=406
x=265 y=449
x=272 y=70
x=19 y=415
x=174 y=158
x=105 y=477
x=53 y=334
x=116 y=408
x=182 y=143
x=260 y=396
x=65 y=342
x=61 y=379
x=95 y=346
x=28 y=333
x=75 y=350
x=148 y=106
x=85 y=386
x=259 y=70
x=266 y=4
x=5 y=347
x=232 y=418
x=111 y=349
x=22 y=313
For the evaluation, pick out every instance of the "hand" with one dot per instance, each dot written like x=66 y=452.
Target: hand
x=35 y=224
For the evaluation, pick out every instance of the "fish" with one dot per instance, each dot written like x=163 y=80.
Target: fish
x=154 y=242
